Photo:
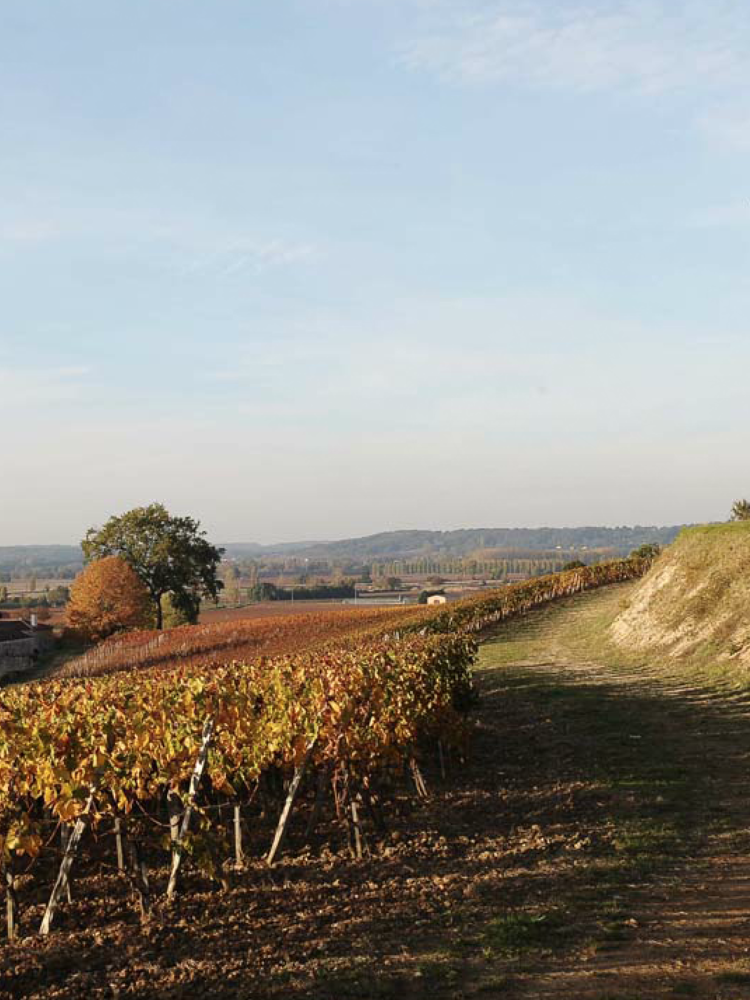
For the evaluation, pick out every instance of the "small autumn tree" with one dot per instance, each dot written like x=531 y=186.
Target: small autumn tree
x=107 y=597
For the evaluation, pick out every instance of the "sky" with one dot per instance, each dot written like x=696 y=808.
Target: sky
x=310 y=269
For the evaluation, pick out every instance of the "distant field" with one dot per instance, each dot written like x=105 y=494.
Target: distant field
x=209 y=616
x=273 y=609
x=23 y=585
x=56 y=615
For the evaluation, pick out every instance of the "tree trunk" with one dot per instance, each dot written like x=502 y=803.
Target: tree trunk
x=159 y=612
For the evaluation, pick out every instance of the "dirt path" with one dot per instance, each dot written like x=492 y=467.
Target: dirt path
x=593 y=847
x=671 y=752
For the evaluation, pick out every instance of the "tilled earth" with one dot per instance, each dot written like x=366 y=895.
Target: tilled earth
x=592 y=846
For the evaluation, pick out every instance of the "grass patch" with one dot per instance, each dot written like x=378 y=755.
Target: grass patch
x=647 y=839
x=519 y=931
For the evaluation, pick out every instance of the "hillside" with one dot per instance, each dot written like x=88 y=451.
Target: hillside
x=696 y=598
x=464 y=541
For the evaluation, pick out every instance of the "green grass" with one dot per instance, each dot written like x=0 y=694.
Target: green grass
x=519 y=931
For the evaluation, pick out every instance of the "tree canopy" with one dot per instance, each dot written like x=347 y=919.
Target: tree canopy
x=741 y=510
x=107 y=597
x=169 y=554
x=646 y=551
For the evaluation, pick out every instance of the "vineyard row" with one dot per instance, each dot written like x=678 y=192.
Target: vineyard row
x=117 y=748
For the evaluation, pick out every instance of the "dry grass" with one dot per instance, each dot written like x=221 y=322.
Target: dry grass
x=695 y=602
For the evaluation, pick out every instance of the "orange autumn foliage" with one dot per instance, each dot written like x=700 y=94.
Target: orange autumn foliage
x=107 y=597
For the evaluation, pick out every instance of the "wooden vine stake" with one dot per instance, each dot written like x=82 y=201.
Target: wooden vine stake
x=419 y=782
x=200 y=764
x=174 y=807
x=283 y=823
x=239 y=855
x=61 y=883
x=118 y=845
x=357 y=830
x=64 y=838
x=11 y=903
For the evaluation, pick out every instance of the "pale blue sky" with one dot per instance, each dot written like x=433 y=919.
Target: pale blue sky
x=314 y=268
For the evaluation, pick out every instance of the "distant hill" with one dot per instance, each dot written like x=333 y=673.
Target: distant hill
x=40 y=560
x=463 y=542
x=695 y=601
x=62 y=560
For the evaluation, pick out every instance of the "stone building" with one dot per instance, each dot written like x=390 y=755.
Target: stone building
x=22 y=643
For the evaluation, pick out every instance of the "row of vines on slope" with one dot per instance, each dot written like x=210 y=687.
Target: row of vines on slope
x=241 y=639
x=244 y=639
x=133 y=742
x=121 y=746
x=475 y=614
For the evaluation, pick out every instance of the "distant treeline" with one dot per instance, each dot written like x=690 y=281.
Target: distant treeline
x=317 y=574
x=489 y=568
x=408 y=545
x=59 y=562
x=55 y=597
x=270 y=592
x=412 y=552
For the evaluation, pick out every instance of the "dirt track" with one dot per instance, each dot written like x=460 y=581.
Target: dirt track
x=594 y=848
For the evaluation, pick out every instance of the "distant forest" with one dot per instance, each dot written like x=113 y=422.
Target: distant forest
x=64 y=561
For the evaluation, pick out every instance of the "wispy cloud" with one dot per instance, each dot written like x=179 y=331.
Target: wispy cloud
x=200 y=245
x=643 y=46
x=248 y=256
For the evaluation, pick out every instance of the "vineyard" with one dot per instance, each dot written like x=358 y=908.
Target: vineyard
x=156 y=761
x=223 y=642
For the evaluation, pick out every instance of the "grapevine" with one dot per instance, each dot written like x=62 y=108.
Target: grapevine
x=119 y=745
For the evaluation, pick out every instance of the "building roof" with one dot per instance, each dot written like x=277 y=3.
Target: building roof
x=14 y=629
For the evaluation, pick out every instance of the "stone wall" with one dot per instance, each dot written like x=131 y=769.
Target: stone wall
x=18 y=656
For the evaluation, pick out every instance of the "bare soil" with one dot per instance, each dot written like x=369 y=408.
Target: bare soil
x=594 y=847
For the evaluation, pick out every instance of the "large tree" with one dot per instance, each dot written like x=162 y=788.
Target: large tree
x=169 y=554
x=107 y=597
